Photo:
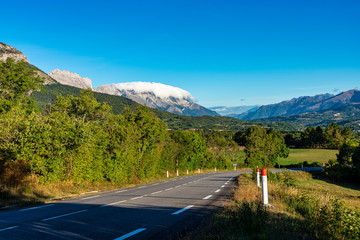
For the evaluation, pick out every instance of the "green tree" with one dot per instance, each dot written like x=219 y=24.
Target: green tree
x=263 y=147
x=17 y=81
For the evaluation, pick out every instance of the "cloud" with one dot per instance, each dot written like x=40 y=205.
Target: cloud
x=160 y=90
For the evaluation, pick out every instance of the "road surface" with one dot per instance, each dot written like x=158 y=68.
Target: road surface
x=154 y=211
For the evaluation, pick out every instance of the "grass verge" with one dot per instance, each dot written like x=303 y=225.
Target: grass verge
x=302 y=207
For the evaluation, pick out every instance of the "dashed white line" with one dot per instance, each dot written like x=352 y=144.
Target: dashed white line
x=114 y=203
x=169 y=189
x=4 y=229
x=130 y=234
x=157 y=192
x=155 y=184
x=142 y=187
x=26 y=209
x=223 y=186
x=137 y=197
x=207 y=197
x=47 y=219
x=182 y=210
x=90 y=197
x=226 y=183
x=218 y=190
x=177 y=186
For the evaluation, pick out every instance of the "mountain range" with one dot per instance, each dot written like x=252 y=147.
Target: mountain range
x=343 y=108
x=303 y=105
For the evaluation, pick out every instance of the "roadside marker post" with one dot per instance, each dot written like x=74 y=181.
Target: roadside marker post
x=235 y=164
x=187 y=171
x=199 y=170
x=167 y=173
x=264 y=186
x=215 y=169
x=177 y=172
x=258 y=177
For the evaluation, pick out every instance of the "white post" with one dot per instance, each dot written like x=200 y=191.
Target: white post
x=235 y=168
x=187 y=171
x=167 y=173
x=258 y=177
x=199 y=170
x=264 y=186
x=177 y=172
x=215 y=169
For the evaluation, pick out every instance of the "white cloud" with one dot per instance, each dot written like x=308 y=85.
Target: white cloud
x=160 y=90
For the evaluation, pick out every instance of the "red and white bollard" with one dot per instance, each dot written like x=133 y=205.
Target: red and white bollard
x=187 y=171
x=258 y=177
x=167 y=173
x=264 y=186
x=177 y=172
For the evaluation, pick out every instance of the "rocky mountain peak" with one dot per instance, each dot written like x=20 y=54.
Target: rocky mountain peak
x=7 y=51
x=70 y=79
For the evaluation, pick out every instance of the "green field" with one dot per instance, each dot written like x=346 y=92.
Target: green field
x=310 y=155
x=296 y=156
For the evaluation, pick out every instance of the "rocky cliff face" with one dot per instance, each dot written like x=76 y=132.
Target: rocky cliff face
x=70 y=79
x=157 y=95
x=7 y=51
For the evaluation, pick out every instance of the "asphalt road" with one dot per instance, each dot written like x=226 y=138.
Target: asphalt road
x=155 y=211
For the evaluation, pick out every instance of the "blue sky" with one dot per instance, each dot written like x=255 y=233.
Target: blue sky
x=223 y=52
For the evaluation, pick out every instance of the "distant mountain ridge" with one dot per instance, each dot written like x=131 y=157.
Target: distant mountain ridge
x=160 y=96
x=233 y=111
x=305 y=104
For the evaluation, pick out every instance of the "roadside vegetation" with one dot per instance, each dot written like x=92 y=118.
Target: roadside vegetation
x=303 y=206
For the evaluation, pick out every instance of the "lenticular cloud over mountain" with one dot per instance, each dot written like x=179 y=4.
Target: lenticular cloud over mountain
x=160 y=90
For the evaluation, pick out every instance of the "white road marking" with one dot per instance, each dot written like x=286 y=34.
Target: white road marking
x=26 y=209
x=177 y=186
x=110 y=204
x=169 y=189
x=223 y=186
x=47 y=219
x=218 y=190
x=157 y=192
x=121 y=191
x=155 y=184
x=4 y=229
x=207 y=197
x=130 y=234
x=137 y=197
x=142 y=187
x=90 y=197
x=226 y=183
x=182 y=210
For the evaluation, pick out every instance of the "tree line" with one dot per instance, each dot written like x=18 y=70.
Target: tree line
x=79 y=139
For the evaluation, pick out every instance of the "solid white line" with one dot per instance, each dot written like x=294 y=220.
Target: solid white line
x=90 y=197
x=169 y=189
x=137 y=197
x=182 y=210
x=4 y=229
x=121 y=191
x=218 y=190
x=47 y=219
x=26 y=209
x=207 y=197
x=110 y=204
x=130 y=234
x=157 y=192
